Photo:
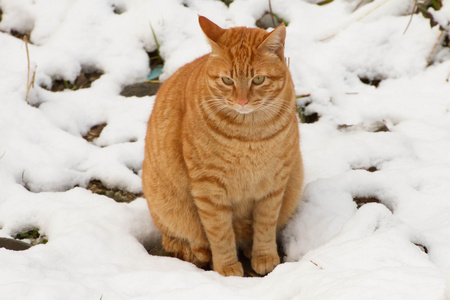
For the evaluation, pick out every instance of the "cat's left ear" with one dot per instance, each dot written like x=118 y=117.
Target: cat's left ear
x=274 y=42
x=212 y=32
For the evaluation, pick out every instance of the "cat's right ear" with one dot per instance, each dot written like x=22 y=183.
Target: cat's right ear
x=274 y=42
x=212 y=32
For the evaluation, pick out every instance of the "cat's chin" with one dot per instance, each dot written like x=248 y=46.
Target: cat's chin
x=244 y=110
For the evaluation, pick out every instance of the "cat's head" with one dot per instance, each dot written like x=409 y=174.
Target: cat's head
x=246 y=69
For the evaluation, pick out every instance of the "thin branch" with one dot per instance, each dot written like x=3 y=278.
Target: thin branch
x=271 y=14
x=316 y=264
x=430 y=57
x=25 y=39
x=358 y=6
x=29 y=84
x=412 y=14
x=356 y=17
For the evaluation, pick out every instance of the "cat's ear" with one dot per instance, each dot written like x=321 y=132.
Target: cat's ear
x=274 y=42
x=212 y=32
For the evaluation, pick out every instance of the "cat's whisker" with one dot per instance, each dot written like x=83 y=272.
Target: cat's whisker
x=273 y=112
x=211 y=103
x=284 y=106
x=277 y=106
x=211 y=100
x=218 y=109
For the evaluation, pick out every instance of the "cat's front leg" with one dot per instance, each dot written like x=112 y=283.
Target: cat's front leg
x=265 y=219
x=216 y=218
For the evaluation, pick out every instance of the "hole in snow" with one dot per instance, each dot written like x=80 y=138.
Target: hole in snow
x=83 y=81
x=311 y=118
x=377 y=126
x=33 y=236
x=227 y=2
x=118 y=10
x=24 y=240
x=424 y=8
x=16 y=33
x=422 y=247
x=94 y=132
x=446 y=41
x=25 y=182
x=119 y=195
x=156 y=62
x=360 y=201
x=19 y=34
x=371 y=81
x=270 y=20
x=306 y=115
x=370 y=169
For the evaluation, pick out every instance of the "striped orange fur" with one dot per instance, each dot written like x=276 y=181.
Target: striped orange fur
x=222 y=167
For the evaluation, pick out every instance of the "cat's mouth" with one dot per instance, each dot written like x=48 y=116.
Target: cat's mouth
x=245 y=109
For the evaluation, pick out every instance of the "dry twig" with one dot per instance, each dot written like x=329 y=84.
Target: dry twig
x=271 y=14
x=316 y=264
x=438 y=41
x=29 y=84
x=410 y=19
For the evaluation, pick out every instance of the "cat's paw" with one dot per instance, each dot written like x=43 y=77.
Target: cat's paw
x=265 y=263
x=231 y=270
x=201 y=256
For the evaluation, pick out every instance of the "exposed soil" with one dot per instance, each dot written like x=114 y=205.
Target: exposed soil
x=422 y=247
x=368 y=169
x=33 y=236
x=360 y=201
x=94 y=132
x=12 y=244
x=141 y=89
x=377 y=126
x=97 y=187
x=83 y=81
x=305 y=116
x=371 y=81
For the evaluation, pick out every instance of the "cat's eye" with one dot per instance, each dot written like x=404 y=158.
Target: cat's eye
x=258 y=80
x=227 y=80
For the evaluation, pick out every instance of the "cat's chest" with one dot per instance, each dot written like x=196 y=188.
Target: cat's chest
x=250 y=169
x=246 y=169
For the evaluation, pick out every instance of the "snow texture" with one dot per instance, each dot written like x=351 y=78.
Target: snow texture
x=400 y=129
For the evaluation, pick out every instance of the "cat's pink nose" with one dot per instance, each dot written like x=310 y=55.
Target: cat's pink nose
x=242 y=101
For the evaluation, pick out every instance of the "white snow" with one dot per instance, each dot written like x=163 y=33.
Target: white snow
x=334 y=250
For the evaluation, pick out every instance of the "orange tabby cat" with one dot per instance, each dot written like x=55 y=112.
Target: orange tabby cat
x=222 y=166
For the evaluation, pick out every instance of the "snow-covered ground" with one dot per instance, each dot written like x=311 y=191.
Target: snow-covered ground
x=396 y=249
